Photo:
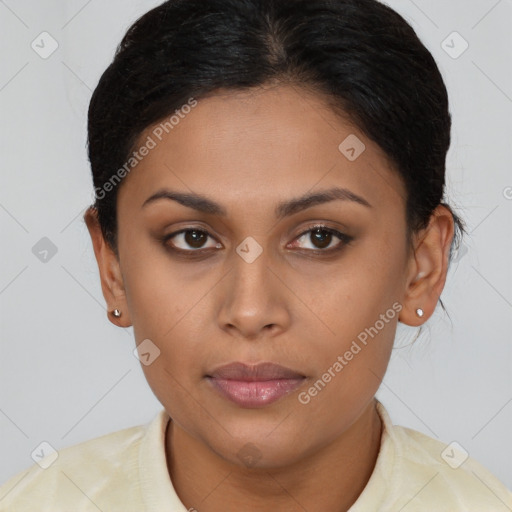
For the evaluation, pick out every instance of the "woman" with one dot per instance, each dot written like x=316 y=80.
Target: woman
x=269 y=179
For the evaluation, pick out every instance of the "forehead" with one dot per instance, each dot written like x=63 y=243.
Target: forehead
x=263 y=143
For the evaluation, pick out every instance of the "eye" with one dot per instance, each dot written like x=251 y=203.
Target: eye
x=323 y=239
x=191 y=238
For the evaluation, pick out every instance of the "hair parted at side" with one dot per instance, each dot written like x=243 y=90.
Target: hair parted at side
x=360 y=54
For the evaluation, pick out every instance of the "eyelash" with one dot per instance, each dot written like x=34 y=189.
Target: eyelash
x=344 y=241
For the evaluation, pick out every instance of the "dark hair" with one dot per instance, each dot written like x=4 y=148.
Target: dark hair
x=359 y=54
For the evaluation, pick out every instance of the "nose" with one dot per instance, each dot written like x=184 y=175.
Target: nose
x=254 y=299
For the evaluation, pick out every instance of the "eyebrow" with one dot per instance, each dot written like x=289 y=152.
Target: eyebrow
x=284 y=209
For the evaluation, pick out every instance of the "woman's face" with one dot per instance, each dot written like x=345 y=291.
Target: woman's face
x=249 y=282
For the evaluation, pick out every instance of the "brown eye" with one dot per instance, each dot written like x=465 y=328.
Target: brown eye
x=190 y=240
x=322 y=239
x=195 y=238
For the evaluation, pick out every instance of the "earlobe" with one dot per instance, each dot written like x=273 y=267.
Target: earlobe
x=112 y=284
x=429 y=267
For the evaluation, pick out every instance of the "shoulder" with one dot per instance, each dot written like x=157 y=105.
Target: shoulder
x=78 y=474
x=428 y=474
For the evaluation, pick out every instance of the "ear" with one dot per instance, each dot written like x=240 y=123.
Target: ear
x=428 y=267
x=111 y=277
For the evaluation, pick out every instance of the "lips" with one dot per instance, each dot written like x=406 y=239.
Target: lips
x=253 y=373
x=254 y=386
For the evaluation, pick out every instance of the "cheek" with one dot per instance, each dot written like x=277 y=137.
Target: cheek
x=360 y=349
x=158 y=291
x=361 y=309
x=349 y=374
x=353 y=296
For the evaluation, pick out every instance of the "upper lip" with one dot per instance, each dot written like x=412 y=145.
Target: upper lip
x=252 y=373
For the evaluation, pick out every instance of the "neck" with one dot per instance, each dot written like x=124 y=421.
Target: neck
x=330 y=479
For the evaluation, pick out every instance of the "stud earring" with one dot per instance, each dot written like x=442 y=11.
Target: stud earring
x=116 y=313
x=419 y=312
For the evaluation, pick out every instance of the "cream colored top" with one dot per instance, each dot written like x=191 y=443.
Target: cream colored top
x=126 y=471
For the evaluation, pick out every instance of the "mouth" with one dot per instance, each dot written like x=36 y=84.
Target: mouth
x=254 y=386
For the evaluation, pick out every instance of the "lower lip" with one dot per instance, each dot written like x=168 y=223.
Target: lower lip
x=255 y=394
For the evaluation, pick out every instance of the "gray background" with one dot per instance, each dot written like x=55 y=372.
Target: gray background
x=67 y=374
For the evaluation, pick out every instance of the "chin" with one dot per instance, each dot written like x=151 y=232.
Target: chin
x=256 y=449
